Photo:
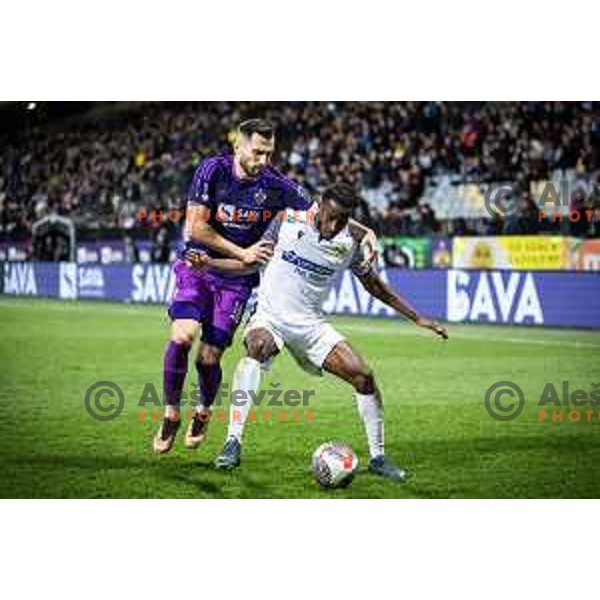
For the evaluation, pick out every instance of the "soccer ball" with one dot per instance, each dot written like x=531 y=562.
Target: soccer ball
x=334 y=465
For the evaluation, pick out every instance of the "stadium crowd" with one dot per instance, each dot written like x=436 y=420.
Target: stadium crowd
x=144 y=156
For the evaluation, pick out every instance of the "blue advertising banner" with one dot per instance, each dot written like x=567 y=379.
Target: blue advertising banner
x=568 y=299
x=426 y=290
x=31 y=279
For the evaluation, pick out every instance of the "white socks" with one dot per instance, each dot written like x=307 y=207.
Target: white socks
x=370 y=410
x=246 y=378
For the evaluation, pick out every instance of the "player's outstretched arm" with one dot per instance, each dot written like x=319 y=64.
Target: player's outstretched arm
x=367 y=239
x=382 y=291
x=200 y=231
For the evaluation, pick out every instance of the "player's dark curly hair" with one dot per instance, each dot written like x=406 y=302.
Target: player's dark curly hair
x=343 y=194
x=263 y=127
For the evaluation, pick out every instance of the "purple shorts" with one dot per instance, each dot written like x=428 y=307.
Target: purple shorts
x=209 y=299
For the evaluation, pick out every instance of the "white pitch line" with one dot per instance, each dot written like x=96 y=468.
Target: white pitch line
x=468 y=336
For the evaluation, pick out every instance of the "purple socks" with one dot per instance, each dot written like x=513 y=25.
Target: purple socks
x=174 y=372
x=209 y=376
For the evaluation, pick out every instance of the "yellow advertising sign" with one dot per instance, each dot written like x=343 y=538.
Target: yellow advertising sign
x=519 y=252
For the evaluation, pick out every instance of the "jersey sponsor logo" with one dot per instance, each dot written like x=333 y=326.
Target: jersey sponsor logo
x=308 y=265
x=232 y=215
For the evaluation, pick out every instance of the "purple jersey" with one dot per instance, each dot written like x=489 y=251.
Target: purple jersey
x=242 y=209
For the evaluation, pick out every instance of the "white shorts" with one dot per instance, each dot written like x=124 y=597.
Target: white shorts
x=309 y=343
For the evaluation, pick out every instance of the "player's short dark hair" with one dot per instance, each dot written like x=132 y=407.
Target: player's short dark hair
x=262 y=127
x=343 y=194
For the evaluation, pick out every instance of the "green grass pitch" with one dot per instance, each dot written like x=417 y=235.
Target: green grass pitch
x=436 y=423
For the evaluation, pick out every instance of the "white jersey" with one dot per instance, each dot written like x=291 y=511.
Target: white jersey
x=298 y=278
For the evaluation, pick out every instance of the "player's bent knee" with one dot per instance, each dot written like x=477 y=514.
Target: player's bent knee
x=183 y=339
x=364 y=382
x=255 y=349
x=259 y=347
x=209 y=356
x=183 y=333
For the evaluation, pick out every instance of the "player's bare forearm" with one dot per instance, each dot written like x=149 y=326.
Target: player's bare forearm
x=203 y=262
x=231 y=265
x=200 y=231
x=367 y=239
x=358 y=228
x=382 y=291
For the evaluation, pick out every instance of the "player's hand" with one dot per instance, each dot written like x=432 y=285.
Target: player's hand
x=260 y=253
x=434 y=326
x=369 y=249
x=197 y=259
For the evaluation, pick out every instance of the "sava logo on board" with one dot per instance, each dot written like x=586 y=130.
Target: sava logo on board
x=19 y=279
x=152 y=283
x=494 y=296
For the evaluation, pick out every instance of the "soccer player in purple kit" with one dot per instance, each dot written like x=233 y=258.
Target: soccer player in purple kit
x=231 y=203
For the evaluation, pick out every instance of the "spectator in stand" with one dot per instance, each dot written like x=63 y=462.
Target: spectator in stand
x=578 y=205
x=525 y=220
x=144 y=155
x=426 y=222
x=161 y=249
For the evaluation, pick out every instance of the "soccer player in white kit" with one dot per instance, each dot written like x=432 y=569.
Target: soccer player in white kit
x=294 y=285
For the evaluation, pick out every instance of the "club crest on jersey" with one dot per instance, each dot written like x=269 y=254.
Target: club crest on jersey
x=339 y=250
x=260 y=196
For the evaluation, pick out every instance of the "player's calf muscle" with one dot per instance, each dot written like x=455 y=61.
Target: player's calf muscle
x=344 y=362
x=360 y=377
